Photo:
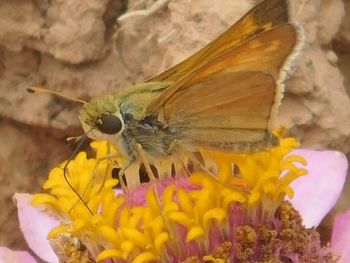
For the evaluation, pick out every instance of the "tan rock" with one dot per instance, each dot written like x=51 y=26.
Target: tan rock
x=74 y=32
x=79 y=48
x=318 y=84
x=19 y=21
x=330 y=19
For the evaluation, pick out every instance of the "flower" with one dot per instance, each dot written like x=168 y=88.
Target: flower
x=8 y=255
x=341 y=236
x=188 y=219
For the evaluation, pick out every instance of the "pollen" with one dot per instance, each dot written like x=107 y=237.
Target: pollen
x=70 y=249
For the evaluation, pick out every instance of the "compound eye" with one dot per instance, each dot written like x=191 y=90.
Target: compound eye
x=109 y=124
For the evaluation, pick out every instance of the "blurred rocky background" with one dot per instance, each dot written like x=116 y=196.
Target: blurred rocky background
x=89 y=48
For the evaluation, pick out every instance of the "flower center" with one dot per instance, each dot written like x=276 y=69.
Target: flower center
x=237 y=215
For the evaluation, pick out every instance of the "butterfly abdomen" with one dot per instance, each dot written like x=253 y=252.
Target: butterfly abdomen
x=268 y=141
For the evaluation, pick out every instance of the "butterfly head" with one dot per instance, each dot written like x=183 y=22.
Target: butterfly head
x=101 y=119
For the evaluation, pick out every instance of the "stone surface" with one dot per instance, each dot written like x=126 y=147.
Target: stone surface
x=19 y=21
x=27 y=153
x=316 y=105
x=77 y=47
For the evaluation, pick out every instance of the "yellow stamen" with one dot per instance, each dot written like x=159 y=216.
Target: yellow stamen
x=141 y=233
x=194 y=233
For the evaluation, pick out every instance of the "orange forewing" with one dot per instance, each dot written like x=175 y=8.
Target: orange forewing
x=261 y=18
x=265 y=53
x=229 y=100
x=224 y=95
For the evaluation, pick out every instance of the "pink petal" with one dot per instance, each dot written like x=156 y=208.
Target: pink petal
x=341 y=237
x=11 y=256
x=317 y=192
x=35 y=225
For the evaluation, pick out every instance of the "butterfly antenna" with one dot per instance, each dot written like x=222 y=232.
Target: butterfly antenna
x=38 y=90
x=65 y=170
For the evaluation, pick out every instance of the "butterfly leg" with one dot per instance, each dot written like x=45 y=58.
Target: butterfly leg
x=144 y=160
x=194 y=159
x=188 y=153
x=120 y=173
